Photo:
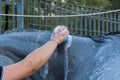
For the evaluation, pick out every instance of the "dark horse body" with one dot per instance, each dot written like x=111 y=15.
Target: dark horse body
x=89 y=58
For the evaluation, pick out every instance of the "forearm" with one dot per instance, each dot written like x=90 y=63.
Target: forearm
x=31 y=63
x=39 y=57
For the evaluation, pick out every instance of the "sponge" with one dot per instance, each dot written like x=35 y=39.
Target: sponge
x=68 y=41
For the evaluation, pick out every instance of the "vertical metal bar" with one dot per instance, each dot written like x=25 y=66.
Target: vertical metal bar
x=90 y=23
x=118 y=21
x=6 y=17
x=45 y=11
x=66 y=12
x=20 y=11
x=61 y=12
x=13 y=12
x=98 y=25
x=71 y=19
x=0 y=16
x=115 y=21
x=50 y=7
x=39 y=10
x=33 y=12
x=107 y=23
x=103 y=24
x=94 y=24
x=56 y=13
x=27 y=11
x=85 y=22
x=81 y=22
x=111 y=22
x=76 y=21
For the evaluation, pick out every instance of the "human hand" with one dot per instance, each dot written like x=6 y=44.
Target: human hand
x=59 y=34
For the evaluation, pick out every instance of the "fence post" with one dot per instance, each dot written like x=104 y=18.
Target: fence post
x=20 y=11
x=45 y=11
x=6 y=17
x=0 y=16
x=119 y=21
x=13 y=12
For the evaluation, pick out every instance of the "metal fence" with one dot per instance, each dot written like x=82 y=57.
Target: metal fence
x=90 y=25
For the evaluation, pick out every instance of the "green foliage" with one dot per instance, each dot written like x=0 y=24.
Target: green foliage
x=92 y=3
x=114 y=4
x=97 y=3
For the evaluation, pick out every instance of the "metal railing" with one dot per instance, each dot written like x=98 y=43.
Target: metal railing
x=90 y=25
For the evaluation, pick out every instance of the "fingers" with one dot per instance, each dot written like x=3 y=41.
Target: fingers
x=64 y=32
x=59 y=34
x=59 y=28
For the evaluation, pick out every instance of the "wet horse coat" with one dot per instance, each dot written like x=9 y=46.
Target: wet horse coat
x=89 y=58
